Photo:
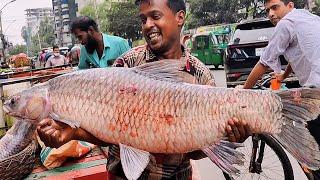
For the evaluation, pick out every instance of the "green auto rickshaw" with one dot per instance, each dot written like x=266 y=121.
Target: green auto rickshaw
x=210 y=46
x=205 y=48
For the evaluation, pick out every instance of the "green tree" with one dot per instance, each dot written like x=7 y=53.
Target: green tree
x=97 y=12
x=18 y=49
x=46 y=32
x=117 y=18
x=316 y=10
x=43 y=38
x=123 y=20
x=206 y=12
x=251 y=8
x=88 y=10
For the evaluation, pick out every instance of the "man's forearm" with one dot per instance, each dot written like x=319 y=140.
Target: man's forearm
x=257 y=72
x=287 y=72
x=83 y=135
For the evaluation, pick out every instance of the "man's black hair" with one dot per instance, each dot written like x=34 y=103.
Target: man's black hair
x=174 y=5
x=83 y=23
x=284 y=1
x=54 y=47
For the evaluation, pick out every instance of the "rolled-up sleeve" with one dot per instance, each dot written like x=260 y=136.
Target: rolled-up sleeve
x=278 y=44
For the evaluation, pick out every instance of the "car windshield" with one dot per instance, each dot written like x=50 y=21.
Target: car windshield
x=252 y=36
x=252 y=32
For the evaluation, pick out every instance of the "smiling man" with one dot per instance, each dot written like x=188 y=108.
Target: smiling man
x=162 y=22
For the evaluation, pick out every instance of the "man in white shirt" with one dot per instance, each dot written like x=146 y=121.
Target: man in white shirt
x=296 y=37
x=56 y=59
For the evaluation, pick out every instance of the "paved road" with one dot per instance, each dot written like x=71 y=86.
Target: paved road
x=208 y=171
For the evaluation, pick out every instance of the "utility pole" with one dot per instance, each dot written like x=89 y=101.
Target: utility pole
x=1 y=32
x=2 y=40
x=39 y=37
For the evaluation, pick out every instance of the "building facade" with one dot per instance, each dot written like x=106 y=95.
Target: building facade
x=64 y=11
x=35 y=16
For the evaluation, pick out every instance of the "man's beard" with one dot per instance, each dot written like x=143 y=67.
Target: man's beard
x=91 y=45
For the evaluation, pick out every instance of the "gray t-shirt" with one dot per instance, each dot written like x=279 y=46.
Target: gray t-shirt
x=297 y=37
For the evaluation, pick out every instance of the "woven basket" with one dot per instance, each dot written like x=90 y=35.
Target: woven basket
x=19 y=165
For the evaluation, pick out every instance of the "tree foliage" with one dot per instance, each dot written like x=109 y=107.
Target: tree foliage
x=45 y=35
x=18 y=49
x=316 y=10
x=97 y=12
x=120 y=18
x=88 y=10
x=117 y=18
x=207 y=12
x=123 y=20
x=43 y=38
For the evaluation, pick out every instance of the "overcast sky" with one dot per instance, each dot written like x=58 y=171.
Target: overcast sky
x=14 y=18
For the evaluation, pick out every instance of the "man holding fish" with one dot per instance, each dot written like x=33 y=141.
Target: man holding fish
x=162 y=22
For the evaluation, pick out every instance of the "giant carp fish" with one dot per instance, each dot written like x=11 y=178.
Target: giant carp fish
x=151 y=109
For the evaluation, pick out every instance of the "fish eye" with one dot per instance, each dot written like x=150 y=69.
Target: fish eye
x=12 y=101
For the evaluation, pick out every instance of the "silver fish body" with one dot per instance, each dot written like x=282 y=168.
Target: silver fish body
x=149 y=108
x=119 y=105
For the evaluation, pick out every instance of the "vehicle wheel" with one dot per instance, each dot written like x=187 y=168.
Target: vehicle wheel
x=275 y=162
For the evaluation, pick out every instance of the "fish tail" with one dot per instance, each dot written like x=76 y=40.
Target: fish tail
x=300 y=106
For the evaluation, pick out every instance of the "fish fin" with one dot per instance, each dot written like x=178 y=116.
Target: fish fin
x=300 y=106
x=168 y=70
x=224 y=155
x=56 y=117
x=32 y=121
x=133 y=161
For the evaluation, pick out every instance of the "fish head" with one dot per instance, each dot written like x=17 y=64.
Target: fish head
x=31 y=104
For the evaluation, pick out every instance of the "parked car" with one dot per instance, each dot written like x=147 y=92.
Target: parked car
x=243 y=52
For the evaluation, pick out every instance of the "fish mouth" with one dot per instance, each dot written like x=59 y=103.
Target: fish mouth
x=7 y=109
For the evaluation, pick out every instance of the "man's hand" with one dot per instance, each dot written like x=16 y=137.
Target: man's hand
x=237 y=131
x=239 y=87
x=283 y=75
x=279 y=76
x=55 y=134
x=256 y=73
